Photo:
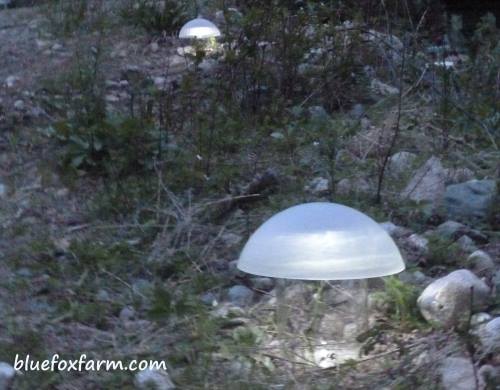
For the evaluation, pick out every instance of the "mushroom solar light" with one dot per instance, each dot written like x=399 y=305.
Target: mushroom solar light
x=199 y=28
x=321 y=241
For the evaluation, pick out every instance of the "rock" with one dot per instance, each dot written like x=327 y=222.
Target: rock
x=262 y=283
x=466 y=244
x=3 y=190
x=418 y=242
x=489 y=377
x=127 y=314
x=318 y=186
x=240 y=295
x=332 y=356
x=481 y=263
x=160 y=82
x=387 y=45
x=349 y=186
x=57 y=47
x=7 y=373
x=231 y=239
x=357 y=111
x=207 y=65
x=471 y=200
x=11 y=81
x=479 y=319
x=209 y=298
x=394 y=230
x=447 y=300
x=451 y=230
x=19 y=105
x=457 y=373
x=153 y=379
x=154 y=47
x=489 y=335
x=382 y=88
x=401 y=162
x=428 y=183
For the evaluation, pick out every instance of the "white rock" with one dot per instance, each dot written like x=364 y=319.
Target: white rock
x=383 y=88
x=11 y=81
x=467 y=244
x=347 y=186
x=428 y=183
x=481 y=263
x=154 y=47
x=489 y=335
x=153 y=379
x=57 y=47
x=127 y=313
x=318 y=186
x=19 y=105
x=447 y=301
x=160 y=82
x=479 y=319
x=457 y=373
x=401 y=162
x=418 y=242
x=7 y=373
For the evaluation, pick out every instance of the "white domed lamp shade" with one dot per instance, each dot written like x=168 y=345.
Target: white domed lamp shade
x=321 y=241
x=199 y=28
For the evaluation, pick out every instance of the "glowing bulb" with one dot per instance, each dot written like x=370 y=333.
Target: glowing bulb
x=199 y=28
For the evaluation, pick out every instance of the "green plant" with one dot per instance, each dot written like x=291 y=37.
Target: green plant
x=166 y=16
x=402 y=301
x=443 y=251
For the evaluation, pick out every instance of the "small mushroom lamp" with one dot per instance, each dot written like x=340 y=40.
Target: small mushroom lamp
x=326 y=242
x=321 y=241
x=199 y=28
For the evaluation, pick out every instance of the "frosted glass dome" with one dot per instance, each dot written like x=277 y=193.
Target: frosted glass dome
x=199 y=28
x=320 y=241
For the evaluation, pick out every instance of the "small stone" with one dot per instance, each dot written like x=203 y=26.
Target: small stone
x=153 y=379
x=19 y=105
x=57 y=47
x=154 y=47
x=467 y=244
x=103 y=296
x=231 y=239
x=160 y=82
x=240 y=295
x=347 y=186
x=7 y=374
x=401 y=162
x=11 y=81
x=263 y=283
x=451 y=229
x=419 y=242
x=3 y=190
x=479 y=319
x=318 y=186
x=209 y=298
x=127 y=313
x=382 y=88
x=457 y=373
x=481 y=263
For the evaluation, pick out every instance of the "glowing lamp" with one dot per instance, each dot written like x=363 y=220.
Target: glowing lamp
x=199 y=28
x=321 y=241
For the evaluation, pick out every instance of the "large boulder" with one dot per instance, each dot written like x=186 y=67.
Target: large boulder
x=471 y=200
x=428 y=183
x=447 y=301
